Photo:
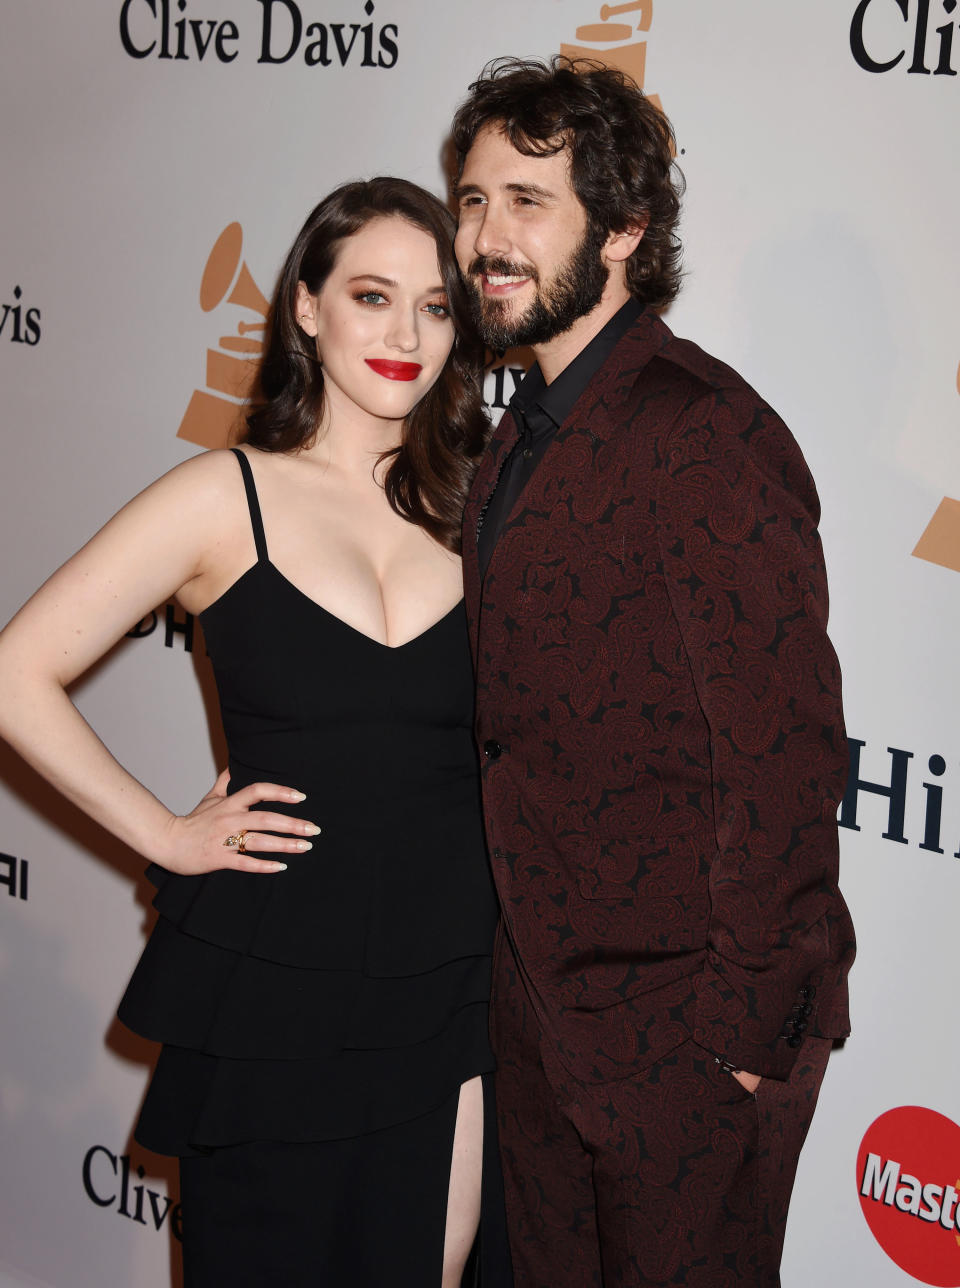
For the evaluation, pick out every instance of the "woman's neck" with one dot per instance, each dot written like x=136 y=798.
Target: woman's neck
x=350 y=440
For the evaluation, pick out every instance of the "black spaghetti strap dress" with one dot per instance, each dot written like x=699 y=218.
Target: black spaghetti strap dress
x=317 y=1024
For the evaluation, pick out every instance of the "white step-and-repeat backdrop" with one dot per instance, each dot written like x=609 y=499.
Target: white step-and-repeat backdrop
x=158 y=157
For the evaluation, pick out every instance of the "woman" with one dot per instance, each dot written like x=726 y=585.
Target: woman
x=320 y=966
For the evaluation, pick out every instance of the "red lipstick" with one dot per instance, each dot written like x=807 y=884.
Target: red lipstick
x=394 y=370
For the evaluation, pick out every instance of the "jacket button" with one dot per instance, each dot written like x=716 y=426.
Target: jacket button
x=491 y=749
x=795 y=1041
x=808 y=992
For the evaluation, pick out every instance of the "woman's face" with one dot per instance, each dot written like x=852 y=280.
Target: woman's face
x=380 y=319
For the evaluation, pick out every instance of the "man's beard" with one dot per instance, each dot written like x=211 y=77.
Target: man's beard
x=575 y=291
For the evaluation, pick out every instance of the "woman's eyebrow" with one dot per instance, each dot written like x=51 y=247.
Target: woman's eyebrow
x=373 y=277
x=439 y=289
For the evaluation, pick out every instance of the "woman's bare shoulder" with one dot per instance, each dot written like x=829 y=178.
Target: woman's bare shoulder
x=215 y=469
x=208 y=484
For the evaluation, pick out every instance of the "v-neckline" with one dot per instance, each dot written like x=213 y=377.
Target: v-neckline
x=264 y=560
x=302 y=594
x=391 y=648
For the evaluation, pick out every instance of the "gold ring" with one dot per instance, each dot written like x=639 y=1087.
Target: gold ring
x=238 y=842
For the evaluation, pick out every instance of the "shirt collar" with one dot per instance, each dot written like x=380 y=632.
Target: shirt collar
x=541 y=408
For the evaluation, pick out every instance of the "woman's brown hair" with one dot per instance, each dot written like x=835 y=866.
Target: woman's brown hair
x=431 y=470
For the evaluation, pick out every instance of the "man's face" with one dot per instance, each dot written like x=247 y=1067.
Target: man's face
x=531 y=263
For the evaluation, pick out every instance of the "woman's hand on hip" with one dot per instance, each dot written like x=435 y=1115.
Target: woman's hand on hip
x=216 y=833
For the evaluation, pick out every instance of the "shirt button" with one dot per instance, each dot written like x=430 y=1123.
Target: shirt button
x=491 y=749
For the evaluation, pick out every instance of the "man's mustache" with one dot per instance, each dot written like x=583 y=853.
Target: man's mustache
x=487 y=265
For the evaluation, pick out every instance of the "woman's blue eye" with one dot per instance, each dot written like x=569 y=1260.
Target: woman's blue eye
x=438 y=310
x=372 y=297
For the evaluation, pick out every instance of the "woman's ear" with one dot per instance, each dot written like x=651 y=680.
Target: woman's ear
x=305 y=310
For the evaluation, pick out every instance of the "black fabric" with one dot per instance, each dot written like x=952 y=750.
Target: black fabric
x=369 y=1210
x=349 y=993
x=539 y=410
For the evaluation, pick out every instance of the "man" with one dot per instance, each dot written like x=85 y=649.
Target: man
x=658 y=715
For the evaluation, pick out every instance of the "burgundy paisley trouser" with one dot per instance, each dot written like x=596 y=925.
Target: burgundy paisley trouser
x=673 y=1176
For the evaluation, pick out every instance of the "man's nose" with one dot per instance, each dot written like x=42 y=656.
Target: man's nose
x=492 y=237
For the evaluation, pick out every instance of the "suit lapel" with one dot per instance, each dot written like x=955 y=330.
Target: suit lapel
x=597 y=414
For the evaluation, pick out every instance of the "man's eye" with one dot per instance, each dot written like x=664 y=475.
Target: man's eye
x=475 y=200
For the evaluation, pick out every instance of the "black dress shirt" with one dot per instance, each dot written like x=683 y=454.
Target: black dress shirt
x=539 y=410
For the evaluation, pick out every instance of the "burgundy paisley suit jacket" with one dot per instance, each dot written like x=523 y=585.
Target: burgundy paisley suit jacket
x=659 y=722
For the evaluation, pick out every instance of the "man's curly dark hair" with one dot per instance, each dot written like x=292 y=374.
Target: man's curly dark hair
x=622 y=150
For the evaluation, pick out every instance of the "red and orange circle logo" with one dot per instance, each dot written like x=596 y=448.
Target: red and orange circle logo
x=908 y=1177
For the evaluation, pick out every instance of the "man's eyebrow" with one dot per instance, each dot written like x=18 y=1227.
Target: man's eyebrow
x=531 y=190
x=523 y=189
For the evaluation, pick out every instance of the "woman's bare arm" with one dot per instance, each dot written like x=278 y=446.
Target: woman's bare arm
x=166 y=539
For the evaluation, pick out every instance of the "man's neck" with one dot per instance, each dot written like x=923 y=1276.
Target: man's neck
x=559 y=352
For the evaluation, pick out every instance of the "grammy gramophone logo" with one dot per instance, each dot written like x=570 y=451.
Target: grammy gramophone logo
x=940 y=543
x=214 y=417
x=613 y=43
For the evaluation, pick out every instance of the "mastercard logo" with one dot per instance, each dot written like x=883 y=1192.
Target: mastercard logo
x=908 y=1177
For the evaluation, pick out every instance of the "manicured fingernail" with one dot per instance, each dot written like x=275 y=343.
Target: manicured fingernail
x=298 y=796
x=304 y=845
x=311 y=829
x=278 y=867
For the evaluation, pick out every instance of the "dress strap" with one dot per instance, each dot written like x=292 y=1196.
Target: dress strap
x=253 y=502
